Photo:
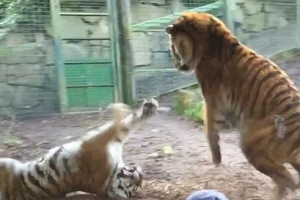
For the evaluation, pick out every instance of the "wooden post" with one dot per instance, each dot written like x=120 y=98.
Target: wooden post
x=123 y=15
x=59 y=63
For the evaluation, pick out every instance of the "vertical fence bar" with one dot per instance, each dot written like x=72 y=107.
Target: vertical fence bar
x=123 y=14
x=298 y=22
x=59 y=63
x=115 y=50
x=229 y=8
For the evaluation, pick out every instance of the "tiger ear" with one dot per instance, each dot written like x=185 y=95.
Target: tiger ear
x=144 y=101
x=177 y=25
x=169 y=29
x=155 y=102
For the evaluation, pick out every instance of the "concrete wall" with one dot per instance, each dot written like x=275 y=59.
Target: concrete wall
x=252 y=17
x=27 y=70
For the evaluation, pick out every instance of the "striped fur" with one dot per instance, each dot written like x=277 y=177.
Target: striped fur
x=242 y=87
x=93 y=164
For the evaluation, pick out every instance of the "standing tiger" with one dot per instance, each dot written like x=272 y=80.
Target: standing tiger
x=243 y=87
x=93 y=164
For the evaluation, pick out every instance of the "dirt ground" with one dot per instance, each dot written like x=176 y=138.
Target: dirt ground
x=168 y=177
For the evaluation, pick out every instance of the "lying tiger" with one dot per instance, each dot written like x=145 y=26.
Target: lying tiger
x=93 y=164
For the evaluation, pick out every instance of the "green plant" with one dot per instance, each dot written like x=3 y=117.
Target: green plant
x=195 y=112
x=179 y=107
x=11 y=141
x=187 y=104
x=183 y=101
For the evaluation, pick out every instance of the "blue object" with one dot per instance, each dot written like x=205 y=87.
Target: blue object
x=207 y=195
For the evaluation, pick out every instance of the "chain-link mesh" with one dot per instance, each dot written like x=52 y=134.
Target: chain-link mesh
x=85 y=29
x=154 y=73
x=268 y=26
x=87 y=54
x=27 y=72
x=29 y=77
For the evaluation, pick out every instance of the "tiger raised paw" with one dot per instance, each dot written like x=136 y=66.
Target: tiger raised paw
x=93 y=164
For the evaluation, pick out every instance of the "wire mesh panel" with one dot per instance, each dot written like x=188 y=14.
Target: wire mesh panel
x=27 y=75
x=153 y=72
x=87 y=54
x=268 y=26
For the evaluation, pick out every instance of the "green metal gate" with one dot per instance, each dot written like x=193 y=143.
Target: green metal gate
x=85 y=83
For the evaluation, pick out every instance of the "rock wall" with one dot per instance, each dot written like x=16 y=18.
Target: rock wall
x=151 y=49
x=27 y=70
x=252 y=17
x=27 y=76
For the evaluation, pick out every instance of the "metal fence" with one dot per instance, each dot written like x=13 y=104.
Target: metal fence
x=86 y=54
x=269 y=27
x=56 y=56
x=68 y=54
x=153 y=72
x=27 y=75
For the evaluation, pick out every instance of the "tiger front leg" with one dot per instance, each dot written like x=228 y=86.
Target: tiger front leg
x=212 y=133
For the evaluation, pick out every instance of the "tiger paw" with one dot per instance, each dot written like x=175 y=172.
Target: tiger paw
x=217 y=161
x=150 y=108
x=217 y=164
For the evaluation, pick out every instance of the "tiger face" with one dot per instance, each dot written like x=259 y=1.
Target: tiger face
x=126 y=182
x=179 y=49
x=188 y=47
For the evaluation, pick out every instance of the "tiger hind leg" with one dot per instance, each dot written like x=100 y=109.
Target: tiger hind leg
x=277 y=171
